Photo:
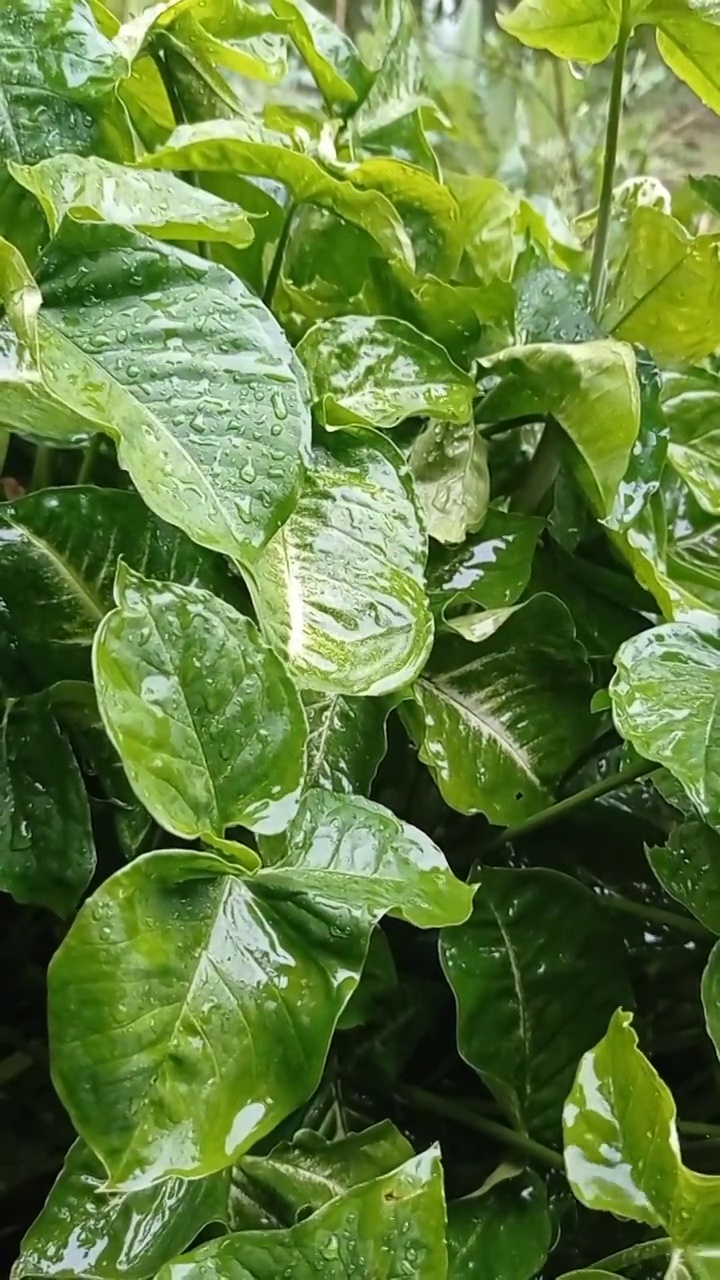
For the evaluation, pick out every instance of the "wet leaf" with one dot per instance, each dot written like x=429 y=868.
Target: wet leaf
x=347 y=740
x=492 y=568
x=502 y=1230
x=688 y=867
x=449 y=465
x=691 y=402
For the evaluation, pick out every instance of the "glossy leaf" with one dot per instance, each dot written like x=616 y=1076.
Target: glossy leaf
x=449 y=465
x=207 y=408
x=688 y=867
x=244 y=145
x=583 y=29
x=691 y=402
x=644 y=473
x=95 y=190
x=397 y=1220
x=389 y=119
x=208 y=724
x=330 y=55
x=499 y=723
x=492 y=568
x=503 y=1230
x=664 y=694
x=667 y=289
x=622 y=1149
x=309 y=1171
x=47 y=855
x=57 y=583
x=375 y=372
x=530 y=996
x=346 y=741
x=339 y=590
x=84 y=1231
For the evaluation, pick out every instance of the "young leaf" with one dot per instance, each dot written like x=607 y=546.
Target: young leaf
x=376 y=372
x=449 y=465
x=691 y=402
x=57 y=584
x=209 y=726
x=586 y=30
x=47 y=855
x=339 y=590
x=531 y=996
x=125 y=1236
x=399 y=1217
x=503 y=1230
x=347 y=740
x=389 y=120
x=664 y=695
x=688 y=868
x=95 y=190
x=330 y=55
x=499 y=723
x=492 y=568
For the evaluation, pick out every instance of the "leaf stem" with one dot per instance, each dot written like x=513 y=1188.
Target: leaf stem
x=91 y=457
x=698 y=1129
x=602 y=231
x=684 y=924
x=509 y=424
x=644 y=1252
x=570 y=803
x=42 y=472
x=277 y=262
x=449 y=1110
x=541 y=471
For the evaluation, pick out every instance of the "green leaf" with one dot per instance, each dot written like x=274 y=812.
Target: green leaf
x=449 y=465
x=57 y=584
x=711 y=1002
x=187 y=371
x=664 y=694
x=649 y=453
x=691 y=48
x=347 y=740
x=503 y=1230
x=531 y=997
x=330 y=55
x=83 y=1231
x=397 y=1221
x=691 y=402
x=622 y=1149
x=491 y=569
x=666 y=288
x=374 y=371
x=389 y=119
x=354 y=621
x=95 y=190
x=47 y=855
x=591 y=388
x=209 y=726
x=554 y=306
x=499 y=723
x=688 y=868
x=355 y=851
x=310 y=1171
x=246 y=146
x=586 y=30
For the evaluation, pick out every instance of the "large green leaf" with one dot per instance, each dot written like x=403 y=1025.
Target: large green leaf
x=392 y=1225
x=339 y=590
x=188 y=372
x=502 y=1231
x=688 y=867
x=330 y=55
x=665 y=695
x=622 y=1152
x=210 y=727
x=583 y=29
x=346 y=741
x=449 y=466
x=667 y=289
x=83 y=1231
x=245 y=145
x=591 y=388
x=95 y=190
x=500 y=722
x=492 y=568
x=531 y=994
x=57 y=583
x=389 y=121
x=47 y=855
x=374 y=371
x=692 y=407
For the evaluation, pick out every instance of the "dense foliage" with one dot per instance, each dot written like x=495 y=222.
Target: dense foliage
x=359 y=581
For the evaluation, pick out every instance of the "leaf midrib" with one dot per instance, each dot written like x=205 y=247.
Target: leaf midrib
x=92 y=601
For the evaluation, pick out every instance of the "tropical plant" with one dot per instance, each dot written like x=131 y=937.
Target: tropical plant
x=359 y=576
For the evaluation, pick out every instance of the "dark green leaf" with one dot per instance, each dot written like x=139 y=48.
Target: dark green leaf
x=347 y=741
x=688 y=867
x=491 y=569
x=503 y=1230
x=209 y=725
x=553 y=306
x=531 y=997
x=449 y=466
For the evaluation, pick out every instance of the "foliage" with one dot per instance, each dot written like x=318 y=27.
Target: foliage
x=359 y=598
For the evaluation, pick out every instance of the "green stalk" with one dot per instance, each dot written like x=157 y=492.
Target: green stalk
x=684 y=924
x=564 y=807
x=698 y=1129
x=510 y=424
x=541 y=471
x=449 y=1110
x=42 y=472
x=602 y=231
x=644 y=1252
x=277 y=262
x=91 y=457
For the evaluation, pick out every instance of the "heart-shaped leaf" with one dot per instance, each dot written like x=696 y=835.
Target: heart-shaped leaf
x=449 y=465
x=491 y=569
x=329 y=53
x=346 y=741
x=209 y=725
x=503 y=1230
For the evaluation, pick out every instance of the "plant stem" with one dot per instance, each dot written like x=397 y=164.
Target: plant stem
x=42 y=472
x=449 y=1110
x=509 y=424
x=644 y=1252
x=90 y=460
x=684 y=924
x=697 y=1129
x=541 y=472
x=602 y=231
x=563 y=807
x=563 y=124
x=276 y=267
